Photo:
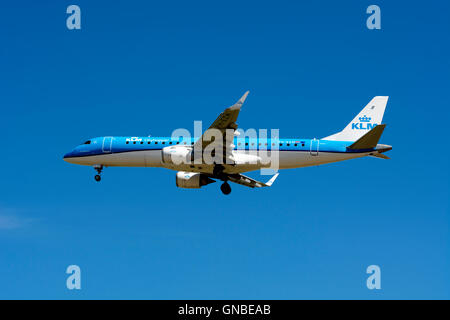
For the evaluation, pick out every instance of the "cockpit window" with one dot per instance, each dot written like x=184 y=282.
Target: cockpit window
x=87 y=142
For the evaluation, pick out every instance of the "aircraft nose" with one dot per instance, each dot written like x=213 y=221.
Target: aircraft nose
x=68 y=155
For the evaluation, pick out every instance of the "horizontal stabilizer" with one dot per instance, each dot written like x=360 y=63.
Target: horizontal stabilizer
x=380 y=155
x=369 y=140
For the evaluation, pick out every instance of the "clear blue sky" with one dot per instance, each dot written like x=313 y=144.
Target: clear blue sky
x=146 y=67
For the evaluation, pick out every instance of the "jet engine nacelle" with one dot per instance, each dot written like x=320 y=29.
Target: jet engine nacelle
x=192 y=180
x=176 y=155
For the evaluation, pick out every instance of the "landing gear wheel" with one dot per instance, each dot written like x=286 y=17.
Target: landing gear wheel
x=98 y=168
x=225 y=187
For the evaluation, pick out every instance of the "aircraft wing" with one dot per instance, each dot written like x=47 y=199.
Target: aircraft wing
x=249 y=182
x=226 y=120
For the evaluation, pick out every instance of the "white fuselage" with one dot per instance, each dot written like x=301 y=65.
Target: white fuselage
x=153 y=158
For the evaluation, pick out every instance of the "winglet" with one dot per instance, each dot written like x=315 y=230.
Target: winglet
x=240 y=102
x=269 y=183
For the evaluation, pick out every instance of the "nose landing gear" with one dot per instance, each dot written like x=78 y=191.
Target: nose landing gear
x=99 y=169
x=225 y=188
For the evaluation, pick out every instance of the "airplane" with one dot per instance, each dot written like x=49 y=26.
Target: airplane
x=358 y=139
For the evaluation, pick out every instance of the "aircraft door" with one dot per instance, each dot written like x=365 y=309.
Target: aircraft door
x=314 y=149
x=107 y=144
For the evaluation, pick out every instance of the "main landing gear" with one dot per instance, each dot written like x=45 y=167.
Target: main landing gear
x=225 y=187
x=99 y=169
x=218 y=173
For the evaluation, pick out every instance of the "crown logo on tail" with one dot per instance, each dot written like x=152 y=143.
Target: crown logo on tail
x=365 y=119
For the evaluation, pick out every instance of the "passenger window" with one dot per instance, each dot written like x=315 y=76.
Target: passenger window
x=281 y=144
x=170 y=142
x=178 y=142
x=163 y=142
x=156 y=142
x=87 y=142
x=127 y=142
x=295 y=145
x=142 y=142
x=134 y=142
x=246 y=143
x=288 y=144
x=148 y=142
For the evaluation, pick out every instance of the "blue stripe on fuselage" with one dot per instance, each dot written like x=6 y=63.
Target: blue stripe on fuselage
x=129 y=144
